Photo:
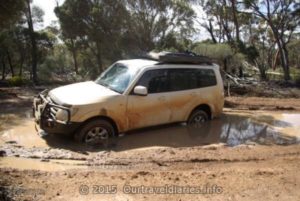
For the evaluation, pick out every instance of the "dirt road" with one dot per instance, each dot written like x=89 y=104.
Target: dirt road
x=247 y=154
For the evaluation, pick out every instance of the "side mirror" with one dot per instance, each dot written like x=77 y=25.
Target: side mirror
x=140 y=90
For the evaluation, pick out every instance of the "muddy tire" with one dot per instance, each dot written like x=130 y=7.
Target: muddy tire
x=97 y=131
x=197 y=118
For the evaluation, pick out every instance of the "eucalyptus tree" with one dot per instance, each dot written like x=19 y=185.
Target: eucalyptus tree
x=156 y=24
x=96 y=23
x=278 y=14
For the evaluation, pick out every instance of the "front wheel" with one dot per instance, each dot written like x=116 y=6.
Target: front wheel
x=97 y=131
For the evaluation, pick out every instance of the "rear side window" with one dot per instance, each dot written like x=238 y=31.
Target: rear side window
x=184 y=79
x=181 y=79
x=156 y=81
x=205 y=78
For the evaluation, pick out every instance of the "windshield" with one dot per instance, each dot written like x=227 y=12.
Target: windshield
x=117 y=77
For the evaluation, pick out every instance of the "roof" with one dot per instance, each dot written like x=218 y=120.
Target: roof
x=138 y=63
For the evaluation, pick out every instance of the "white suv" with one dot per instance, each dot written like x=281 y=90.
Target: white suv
x=132 y=94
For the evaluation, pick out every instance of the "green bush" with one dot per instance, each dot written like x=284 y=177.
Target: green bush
x=215 y=51
x=16 y=81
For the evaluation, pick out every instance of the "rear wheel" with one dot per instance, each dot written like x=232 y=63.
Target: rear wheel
x=97 y=131
x=197 y=118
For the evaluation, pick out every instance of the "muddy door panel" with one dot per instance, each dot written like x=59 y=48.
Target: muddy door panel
x=150 y=110
x=181 y=103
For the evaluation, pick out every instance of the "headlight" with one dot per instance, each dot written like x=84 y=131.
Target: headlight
x=62 y=115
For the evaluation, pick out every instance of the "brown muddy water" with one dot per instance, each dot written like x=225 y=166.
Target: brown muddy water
x=232 y=128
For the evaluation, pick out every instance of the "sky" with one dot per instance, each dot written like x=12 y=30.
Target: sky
x=49 y=5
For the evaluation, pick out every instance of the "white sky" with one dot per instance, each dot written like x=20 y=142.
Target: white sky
x=49 y=5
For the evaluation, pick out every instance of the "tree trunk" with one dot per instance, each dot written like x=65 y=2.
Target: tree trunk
x=261 y=65
x=285 y=63
x=241 y=72
x=284 y=59
x=262 y=71
x=211 y=32
x=224 y=21
x=10 y=64
x=283 y=52
x=33 y=44
x=225 y=64
x=3 y=69
x=21 y=66
x=235 y=19
x=99 y=56
x=74 y=55
x=274 y=64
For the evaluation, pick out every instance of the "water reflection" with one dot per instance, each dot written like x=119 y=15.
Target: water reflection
x=239 y=130
x=231 y=129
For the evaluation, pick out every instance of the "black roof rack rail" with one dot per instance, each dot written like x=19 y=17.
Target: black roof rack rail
x=178 y=58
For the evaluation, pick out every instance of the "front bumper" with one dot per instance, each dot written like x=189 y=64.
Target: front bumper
x=44 y=112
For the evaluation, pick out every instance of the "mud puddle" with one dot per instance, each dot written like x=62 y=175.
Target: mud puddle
x=233 y=128
x=24 y=149
x=37 y=164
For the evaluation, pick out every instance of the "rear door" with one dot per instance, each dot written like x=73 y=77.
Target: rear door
x=183 y=93
x=190 y=87
x=153 y=109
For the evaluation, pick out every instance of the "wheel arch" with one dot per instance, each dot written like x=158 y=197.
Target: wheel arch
x=106 y=118
x=205 y=107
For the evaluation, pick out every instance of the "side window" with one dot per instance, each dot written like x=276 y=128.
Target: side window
x=155 y=80
x=206 y=78
x=182 y=79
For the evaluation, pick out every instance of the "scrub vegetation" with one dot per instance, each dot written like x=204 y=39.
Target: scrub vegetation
x=246 y=36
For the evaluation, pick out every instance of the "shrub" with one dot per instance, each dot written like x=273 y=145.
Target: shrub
x=16 y=81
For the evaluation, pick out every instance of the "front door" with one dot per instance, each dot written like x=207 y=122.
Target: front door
x=153 y=109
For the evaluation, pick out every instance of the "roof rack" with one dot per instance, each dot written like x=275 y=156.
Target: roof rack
x=179 y=58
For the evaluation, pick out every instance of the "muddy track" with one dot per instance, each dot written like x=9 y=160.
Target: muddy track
x=270 y=176
x=248 y=154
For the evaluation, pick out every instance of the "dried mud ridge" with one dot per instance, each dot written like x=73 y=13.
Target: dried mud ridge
x=16 y=150
x=262 y=103
x=156 y=157
x=246 y=172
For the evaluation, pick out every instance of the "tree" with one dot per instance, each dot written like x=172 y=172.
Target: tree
x=220 y=15
x=153 y=22
x=10 y=12
x=114 y=29
x=34 y=58
x=98 y=24
x=278 y=15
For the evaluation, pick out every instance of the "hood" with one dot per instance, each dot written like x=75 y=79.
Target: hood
x=82 y=93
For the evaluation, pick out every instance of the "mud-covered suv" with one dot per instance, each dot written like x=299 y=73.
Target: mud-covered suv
x=132 y=94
